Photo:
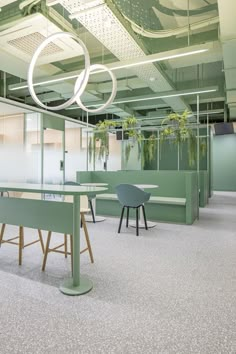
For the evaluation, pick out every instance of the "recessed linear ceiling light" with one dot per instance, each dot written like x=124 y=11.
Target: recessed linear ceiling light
x=151 y=98
x=117 y=67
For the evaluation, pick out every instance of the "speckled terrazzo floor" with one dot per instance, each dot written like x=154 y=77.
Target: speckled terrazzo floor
x=171 y=290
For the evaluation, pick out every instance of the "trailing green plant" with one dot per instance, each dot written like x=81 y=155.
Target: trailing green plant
x=128 y=148
x=203 y=146
x=99 y=142
x=178 y=132
x=177 y=128
x=149 y=150
x=100 y=139
x=130 y=125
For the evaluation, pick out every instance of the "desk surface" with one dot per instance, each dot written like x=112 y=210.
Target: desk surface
x=50 y=188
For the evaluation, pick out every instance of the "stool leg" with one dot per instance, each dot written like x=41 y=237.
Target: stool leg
x=87 y=237
x=46 y=250
x=41 y=239
x=65 y=243
x=2 y=233
x=21 y=243
x=121 y=218
x=23 y=238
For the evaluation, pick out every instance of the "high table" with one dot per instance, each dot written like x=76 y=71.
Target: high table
x=53 y=216
x=141 y=218
x=89 y=217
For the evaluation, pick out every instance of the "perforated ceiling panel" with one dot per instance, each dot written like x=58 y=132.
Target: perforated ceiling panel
x=98 y=18
x=22 y=39
x=29 y=43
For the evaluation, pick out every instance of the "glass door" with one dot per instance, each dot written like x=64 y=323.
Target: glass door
x=53 y=150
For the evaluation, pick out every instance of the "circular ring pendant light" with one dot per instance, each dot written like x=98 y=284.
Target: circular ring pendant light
x=96 y=67
x=84 y=78
x=81 y=81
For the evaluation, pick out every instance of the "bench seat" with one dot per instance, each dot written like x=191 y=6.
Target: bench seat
x=158 y=200
x=176 y=200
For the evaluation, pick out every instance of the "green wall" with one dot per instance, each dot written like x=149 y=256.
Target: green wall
x=224 y=162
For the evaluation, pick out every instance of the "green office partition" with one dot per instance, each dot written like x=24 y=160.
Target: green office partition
x=168 y=155
x=223 y=165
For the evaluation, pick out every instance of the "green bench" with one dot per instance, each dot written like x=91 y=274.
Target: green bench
x=176 y=199
x=157 y=200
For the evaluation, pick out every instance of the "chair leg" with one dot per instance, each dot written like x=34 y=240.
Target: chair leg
x=41 y=239
x=2 y=233
x=137 y=229
x=127 y=217
x=144 y=216
x=71 y=248
x=92 y=211
x=46 y=250
x=21 y=243
x=121 y=218
x=65 y=243
x=87 y=237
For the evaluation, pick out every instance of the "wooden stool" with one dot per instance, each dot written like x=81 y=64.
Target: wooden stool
x=65 y=245
x=21 y=243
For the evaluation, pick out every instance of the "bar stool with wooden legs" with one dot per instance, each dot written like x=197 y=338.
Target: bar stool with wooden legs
x=21 y=242
x=65 y=251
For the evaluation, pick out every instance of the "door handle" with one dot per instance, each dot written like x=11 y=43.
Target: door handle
x=61 y=165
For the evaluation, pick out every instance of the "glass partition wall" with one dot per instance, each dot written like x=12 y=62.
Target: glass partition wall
x=152 y=152
x=39 y=148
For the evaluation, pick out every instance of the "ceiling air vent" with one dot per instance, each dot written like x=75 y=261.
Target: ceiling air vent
x=29 y=43
x=22 y=39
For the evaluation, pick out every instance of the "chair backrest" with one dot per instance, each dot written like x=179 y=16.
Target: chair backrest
x=71 y=183
x=131 y=196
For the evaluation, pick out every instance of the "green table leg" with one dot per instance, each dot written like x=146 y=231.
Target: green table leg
x=76 y=285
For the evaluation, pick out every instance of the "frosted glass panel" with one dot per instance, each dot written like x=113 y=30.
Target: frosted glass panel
x=33 y=147
x=53 y=156
x=13 y=157
x=76 y=150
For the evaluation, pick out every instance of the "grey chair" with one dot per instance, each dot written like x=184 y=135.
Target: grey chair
x=131 y=196
x=90 y=197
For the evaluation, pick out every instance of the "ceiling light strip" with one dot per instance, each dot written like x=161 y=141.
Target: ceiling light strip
x=117 y=67
x=152 y=98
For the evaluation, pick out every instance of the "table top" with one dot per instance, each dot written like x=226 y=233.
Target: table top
x=145 y=186
x=94 y=184
x=51 y=188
